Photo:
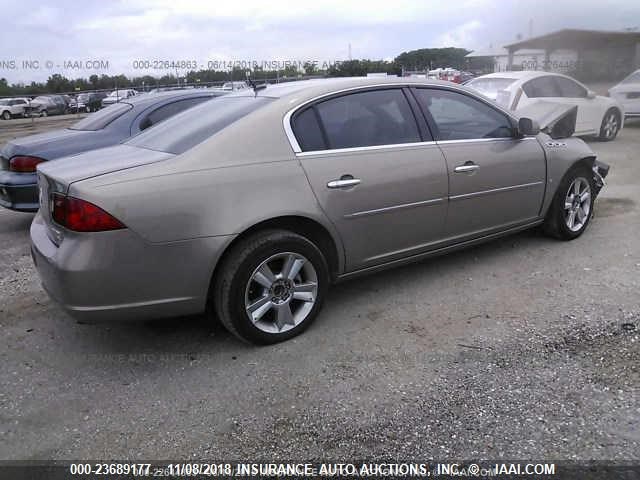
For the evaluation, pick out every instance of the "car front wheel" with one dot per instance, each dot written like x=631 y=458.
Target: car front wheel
x=572 y=206
x=270 y=287
x=610 y=125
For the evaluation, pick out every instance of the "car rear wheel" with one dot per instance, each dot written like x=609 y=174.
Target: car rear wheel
x=6 y=115
x=610 y=125
x=270 y=287
x=572 y=206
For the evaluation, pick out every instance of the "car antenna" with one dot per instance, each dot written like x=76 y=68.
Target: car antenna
x=253 y=85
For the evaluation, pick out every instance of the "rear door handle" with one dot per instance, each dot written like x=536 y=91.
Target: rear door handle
x=345 y=181
x=466 y=168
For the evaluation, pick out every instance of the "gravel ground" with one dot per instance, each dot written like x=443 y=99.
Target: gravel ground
x=525 y=347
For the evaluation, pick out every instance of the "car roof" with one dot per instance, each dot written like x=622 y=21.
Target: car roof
x=302 y=90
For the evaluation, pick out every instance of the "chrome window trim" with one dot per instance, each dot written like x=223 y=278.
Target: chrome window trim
x=375 y=211
x=295 y=146
x=494 y=190
x=391 y=146
x=333 y=151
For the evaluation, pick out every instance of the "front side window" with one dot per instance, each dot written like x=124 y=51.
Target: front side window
x=570 y=89
x=459 y=117
x=378 y=117
x=541 y=87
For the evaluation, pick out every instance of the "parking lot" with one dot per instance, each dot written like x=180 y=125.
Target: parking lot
x=521 y=348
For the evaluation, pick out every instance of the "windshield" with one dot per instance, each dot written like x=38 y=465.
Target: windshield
x=633 y=78
x=490 y=86
x=102 y=118
x=191 y=127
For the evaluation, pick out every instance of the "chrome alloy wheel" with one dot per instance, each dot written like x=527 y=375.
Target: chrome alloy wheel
x=577 y=204
x=281 y=292
x=610 y=126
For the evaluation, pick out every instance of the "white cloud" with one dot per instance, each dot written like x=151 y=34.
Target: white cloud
x=461 y=36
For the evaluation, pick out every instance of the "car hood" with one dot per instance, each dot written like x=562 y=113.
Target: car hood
x=99 y=162
x=58 y=143
x=556 y=119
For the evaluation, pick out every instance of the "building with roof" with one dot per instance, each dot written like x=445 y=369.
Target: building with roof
x=585 y=54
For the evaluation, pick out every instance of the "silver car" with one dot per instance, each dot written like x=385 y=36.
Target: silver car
x=254 y=205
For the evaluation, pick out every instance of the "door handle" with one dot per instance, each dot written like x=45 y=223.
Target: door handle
x=466 y=168
x=345 y=181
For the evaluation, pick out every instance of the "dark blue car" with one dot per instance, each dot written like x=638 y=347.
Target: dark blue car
x=109 y=126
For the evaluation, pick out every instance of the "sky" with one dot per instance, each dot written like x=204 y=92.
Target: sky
x=125 y=32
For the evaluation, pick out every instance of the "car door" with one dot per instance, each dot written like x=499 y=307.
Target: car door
x=376 y=176
x=496 y=180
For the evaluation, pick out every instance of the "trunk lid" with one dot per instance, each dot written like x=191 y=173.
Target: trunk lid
x=68 y=170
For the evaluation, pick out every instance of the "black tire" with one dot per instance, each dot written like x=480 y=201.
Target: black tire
x=6 y=115
x=232 y=283
x=608 y=133
x=556 y=221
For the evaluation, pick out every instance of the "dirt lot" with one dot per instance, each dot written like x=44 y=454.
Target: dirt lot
x=522 y=348
x=20 y=127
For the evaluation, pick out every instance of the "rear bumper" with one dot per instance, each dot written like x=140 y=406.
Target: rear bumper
x=116 y=275
x=19 y=191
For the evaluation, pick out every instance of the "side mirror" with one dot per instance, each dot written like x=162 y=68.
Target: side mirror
x=526 y=126
x=591 y=94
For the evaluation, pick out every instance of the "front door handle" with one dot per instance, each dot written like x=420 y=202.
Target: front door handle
x=467 y=167
x=345 y=181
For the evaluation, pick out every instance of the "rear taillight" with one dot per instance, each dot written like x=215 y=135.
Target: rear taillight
x=24 y=164
x=81 y=216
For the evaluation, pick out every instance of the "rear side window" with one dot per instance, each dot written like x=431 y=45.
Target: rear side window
x=570 y=89
x=307 y=131
x=541 y=87
x=459 y=117
x=378 y=117
x=169 y=110
x=187 y=129
x=102 y=118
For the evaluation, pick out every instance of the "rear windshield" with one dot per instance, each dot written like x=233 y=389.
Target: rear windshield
x=102 y=118
x=193 y=126
x=490 y=86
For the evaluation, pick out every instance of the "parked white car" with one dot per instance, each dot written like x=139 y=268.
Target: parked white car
x=627 y=93
x=12 y=107
x=597 y=115
x=118 y=95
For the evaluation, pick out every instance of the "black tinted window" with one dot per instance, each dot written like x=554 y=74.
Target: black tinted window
x=187 y=129
x=541 y=87
x=169 y=110
x=379 y=117
x=307 y=131
x=102 y=118
x=569 y=88
x=458 y=117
